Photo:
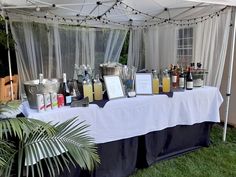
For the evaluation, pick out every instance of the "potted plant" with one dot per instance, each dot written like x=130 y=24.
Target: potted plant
x=27 y=145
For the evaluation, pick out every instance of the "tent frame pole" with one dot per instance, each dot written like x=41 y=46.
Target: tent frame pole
x=9 y=59
x=230 y=73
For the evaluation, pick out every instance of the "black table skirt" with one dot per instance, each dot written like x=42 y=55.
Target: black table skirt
x=121 y=158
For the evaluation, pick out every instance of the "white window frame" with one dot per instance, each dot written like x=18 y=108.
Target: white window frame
x=185 y=45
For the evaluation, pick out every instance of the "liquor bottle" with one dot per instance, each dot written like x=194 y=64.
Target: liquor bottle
x=189 y=80
x=66 y=91
x=97 y=86
x=175 y=77
x=181 y=79
x=155 y=83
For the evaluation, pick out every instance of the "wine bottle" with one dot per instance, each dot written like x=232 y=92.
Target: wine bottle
x=175 y=77
x=66 y=91
x=181 y=79
x=189 y=80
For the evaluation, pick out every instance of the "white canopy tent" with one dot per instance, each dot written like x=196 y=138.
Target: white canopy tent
x=114 y=13
x=150 y=21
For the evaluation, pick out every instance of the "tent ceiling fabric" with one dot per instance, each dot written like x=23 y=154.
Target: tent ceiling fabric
x=222 y=2
x=118 y=13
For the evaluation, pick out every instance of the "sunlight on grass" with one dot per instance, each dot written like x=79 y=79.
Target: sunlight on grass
x=218 y=160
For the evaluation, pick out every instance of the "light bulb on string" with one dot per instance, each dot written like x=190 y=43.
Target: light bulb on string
x=37 y=9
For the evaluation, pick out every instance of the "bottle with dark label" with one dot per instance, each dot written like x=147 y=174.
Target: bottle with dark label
x=189 y=80
x=181 y=79
x=66 y=91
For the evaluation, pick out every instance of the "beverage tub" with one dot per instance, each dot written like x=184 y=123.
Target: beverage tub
x=33 y=87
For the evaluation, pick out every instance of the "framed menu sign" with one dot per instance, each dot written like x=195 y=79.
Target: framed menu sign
x=143 y=83
x=114 y=87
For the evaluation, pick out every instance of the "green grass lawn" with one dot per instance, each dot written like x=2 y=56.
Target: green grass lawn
x=218 y=160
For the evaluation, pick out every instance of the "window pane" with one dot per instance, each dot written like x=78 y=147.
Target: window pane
x=185 y=44
x=180 y=33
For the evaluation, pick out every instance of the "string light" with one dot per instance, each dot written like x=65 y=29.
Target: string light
x=160 y=21
x=37 y=9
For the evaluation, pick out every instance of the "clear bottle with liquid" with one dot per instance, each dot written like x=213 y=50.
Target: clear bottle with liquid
x=97 y=86
x=74 y=91
x=166 y=82
x=88 y=88
x=155 y=83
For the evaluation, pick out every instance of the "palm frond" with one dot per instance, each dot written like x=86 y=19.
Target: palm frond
x=56 y=145
x=20 y=129
x=10 y=109
x=7 y=151
x=22 y=126
x=70 y=143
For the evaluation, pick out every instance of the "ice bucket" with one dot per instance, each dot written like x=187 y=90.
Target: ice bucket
x=199 y=76
x=33 y=87
x=111 y=69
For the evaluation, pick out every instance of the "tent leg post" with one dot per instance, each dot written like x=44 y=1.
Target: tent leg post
x=9 y=59
x=226 y=120
x=231 y=63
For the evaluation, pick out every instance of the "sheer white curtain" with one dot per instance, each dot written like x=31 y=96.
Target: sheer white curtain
x=210 y=46
x=52 y=49
x=114 y=45
x=151 y=41
x=168 y=45
x=159 y=46
x=87 y=43
x=136 y=51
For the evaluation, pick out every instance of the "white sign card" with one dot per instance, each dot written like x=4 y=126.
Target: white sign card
x=143 y=83
x=114 y=87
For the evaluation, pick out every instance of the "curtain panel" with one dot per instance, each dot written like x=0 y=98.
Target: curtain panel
x=210 y=41
x=53 y=49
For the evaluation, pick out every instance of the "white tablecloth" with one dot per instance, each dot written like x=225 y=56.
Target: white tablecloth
x=129 y=117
